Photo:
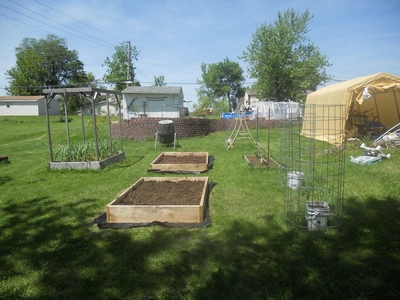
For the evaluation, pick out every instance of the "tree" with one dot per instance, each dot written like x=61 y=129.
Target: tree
x=202 y=104
x=159 y=81
x=222 y=80
x=117 y=66
x=283 y=61
x=44 y=63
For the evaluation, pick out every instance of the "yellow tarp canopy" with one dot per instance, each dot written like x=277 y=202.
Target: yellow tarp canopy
x=374 y=97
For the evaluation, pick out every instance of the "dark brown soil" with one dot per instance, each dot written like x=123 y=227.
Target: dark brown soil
x=257 y=163
x=184 y=192
x=186 y=159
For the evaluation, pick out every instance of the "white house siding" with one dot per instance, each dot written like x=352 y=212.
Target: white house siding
x=156 y=102
x=250 y=98
x=27 y=106
x=101 y=109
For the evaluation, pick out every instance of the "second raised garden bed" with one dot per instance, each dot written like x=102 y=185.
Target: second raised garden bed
x=181 y=161
x=162 y=199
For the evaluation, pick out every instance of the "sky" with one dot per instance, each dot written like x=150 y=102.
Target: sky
x=174 y=37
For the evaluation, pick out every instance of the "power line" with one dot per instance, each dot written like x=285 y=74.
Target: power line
x=79 y=21
x=144 y=62
x=103 y=82
x=30 y=25
x=138 y=63
x=60 y=23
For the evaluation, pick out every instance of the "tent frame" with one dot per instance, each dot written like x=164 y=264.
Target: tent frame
x=375 y=116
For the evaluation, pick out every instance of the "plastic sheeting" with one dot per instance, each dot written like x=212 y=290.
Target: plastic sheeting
x=276 y=110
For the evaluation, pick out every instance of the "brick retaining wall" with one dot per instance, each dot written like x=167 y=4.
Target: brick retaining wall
x=145 y=128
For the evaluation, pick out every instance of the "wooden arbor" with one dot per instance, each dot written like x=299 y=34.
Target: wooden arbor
x=91 y=94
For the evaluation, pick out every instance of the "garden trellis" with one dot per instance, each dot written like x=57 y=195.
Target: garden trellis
x=91 y=94
x=313 y=169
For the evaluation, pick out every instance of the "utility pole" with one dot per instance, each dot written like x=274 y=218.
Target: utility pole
x=129 y=61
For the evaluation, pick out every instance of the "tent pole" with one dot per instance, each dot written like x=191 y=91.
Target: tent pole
x=376 y=107
x=397 y=106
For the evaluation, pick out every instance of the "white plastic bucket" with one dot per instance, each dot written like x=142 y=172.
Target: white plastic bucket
x=295 y=179
x=317 y=215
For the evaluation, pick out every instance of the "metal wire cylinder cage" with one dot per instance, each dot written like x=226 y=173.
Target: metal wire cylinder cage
x=312 y=153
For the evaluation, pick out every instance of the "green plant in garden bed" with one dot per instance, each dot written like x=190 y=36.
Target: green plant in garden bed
x=85 y=151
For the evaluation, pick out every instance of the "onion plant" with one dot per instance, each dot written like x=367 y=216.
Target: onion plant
x=85 y=151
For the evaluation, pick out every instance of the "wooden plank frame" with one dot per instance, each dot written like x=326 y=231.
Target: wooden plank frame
x=201 y=167
x=118 y=213
x=91 y=94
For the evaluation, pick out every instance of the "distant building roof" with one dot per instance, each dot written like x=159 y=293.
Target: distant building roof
x=25 y=98
x=152 y=90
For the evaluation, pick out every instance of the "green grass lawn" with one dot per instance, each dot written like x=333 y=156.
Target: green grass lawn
x=51 y=248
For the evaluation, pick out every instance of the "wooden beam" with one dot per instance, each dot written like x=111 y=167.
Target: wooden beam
x=49 y=98
x=90 y=90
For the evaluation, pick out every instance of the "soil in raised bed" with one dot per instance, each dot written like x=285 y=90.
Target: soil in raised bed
x=184 y=192
x=186 y=159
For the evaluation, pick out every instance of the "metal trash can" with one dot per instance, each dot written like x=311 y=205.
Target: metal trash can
x=317 y=215
x=166 y=131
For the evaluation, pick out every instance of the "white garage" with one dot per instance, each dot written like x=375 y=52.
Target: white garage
x=27 y=106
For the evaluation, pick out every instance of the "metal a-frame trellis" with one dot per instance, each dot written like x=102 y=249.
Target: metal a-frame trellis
x=240 y=130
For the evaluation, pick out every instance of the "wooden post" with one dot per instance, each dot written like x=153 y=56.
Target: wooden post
x=82 y=117
x=120 y=121
x=269 y=135
x=66 y=118
x=48 y=99
x=109 y=123
x=257 y=124
x=94 y=124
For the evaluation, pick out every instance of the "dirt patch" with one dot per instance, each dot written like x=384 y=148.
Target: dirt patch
x=184 y=192
x=173 y=159
x=256 y=162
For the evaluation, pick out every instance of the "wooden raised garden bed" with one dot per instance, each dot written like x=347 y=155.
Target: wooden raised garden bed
x=94 y=165
x=162 y=199
x=181 y=161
